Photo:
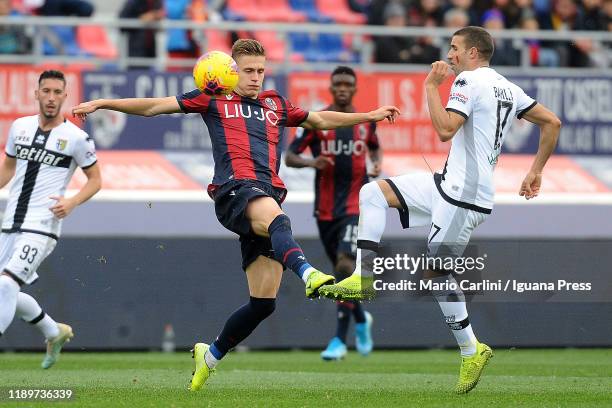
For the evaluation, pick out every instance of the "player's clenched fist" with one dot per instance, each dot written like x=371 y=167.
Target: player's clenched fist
x=439 y=72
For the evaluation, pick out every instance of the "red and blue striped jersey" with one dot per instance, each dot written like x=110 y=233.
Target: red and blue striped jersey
x=337 y=186
x=246 y=133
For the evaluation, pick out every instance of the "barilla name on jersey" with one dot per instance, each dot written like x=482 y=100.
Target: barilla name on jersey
x=338 y=147
x=42 y=156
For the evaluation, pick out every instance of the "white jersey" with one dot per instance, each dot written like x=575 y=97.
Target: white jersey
x=489 y=103
x=45 y=164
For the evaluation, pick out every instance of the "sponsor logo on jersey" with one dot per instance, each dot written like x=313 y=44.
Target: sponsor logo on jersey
x=22 y=137
x=271 y=104
x=61 y=144
x=246 y=112
x=42 y=156
x=338 y=147
x=459 y=97
x=460 y=82
x=40 y=139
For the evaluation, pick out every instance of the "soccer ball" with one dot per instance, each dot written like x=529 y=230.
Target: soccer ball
x=216 y=73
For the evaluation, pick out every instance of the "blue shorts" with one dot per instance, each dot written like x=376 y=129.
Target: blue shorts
x=339 y=236
x=231 y=201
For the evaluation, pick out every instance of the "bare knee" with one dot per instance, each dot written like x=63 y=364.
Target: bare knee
x=389 y=194
x=261 y=211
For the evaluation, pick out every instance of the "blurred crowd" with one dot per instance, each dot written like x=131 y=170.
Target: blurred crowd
x=532 y=15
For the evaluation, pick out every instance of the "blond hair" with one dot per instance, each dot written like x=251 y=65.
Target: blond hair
x=247 y=47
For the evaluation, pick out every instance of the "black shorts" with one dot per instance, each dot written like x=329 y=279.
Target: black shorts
x=339 y=236
x=231 y=201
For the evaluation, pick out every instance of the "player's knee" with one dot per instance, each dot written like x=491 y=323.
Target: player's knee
x=371 y=194
x=263 y=307
x=280 y=223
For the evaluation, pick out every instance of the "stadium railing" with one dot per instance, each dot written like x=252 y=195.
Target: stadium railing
x=361 y=42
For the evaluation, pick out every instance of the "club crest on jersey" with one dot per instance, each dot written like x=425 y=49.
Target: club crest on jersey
x=40 y=139
x=271 y=104
x=61 y=144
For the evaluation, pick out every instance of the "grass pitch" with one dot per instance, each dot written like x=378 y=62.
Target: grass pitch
x=513 y=378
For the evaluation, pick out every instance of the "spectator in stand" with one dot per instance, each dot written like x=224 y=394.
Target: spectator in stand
x=180 y=41
x=510 y=11
x=563 y=18
x=465 y=5
x=397 y=49
x=13 y=39
x=141 y=42
x=50 y=8
x=456 y=18
x=505 y=53
x=539 y=55
x=376 y=10
x=426 y=13
x=591 y=17
x=359 y=6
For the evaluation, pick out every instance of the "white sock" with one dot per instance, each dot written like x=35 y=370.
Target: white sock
x=307 y=273
x=210 y=360
x=456 y=315
x=29 y=310
x=372 y=219
x=8 y=301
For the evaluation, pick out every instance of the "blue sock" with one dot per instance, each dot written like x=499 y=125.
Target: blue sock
x=286 y=250
x=241 y=324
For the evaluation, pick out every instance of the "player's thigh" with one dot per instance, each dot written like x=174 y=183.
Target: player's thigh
x=26 y=254
x=415 y=193
x=261 y=211
x=264 y=277
x=451 y=228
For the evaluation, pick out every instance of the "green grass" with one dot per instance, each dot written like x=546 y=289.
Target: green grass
x=514 y=378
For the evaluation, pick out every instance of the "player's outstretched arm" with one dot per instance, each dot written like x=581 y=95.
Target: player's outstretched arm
x=331 y=120
x=550 y=126
x=7 y=170
x=64 y=206
x=132 y=106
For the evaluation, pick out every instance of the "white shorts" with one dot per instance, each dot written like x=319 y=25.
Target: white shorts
x=450 y=225
x=21 y=253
